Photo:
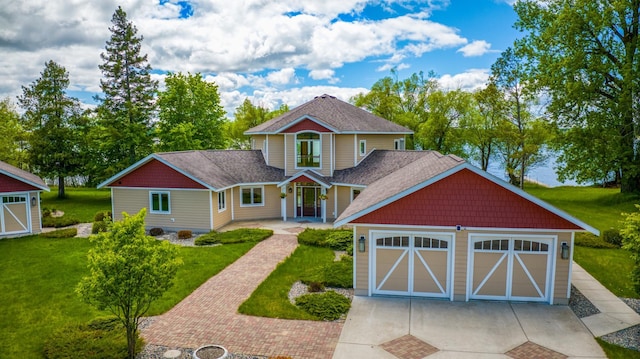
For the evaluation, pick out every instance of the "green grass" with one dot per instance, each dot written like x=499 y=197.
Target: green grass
x=239 y=235
x=616 y=352
x=80 y=202
x=39 y=276
x=611 y=267
x=270 y=299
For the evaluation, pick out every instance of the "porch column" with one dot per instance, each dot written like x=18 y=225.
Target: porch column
x=283 y=203
x=323 y=204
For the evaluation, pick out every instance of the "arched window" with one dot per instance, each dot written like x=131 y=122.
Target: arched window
x=308 y=149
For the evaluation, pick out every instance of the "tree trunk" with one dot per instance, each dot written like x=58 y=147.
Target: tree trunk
x=131 y=342
x=61 y=194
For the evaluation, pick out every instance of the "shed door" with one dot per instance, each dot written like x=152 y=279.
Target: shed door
x=14 y=214
x=412 y=264
x=505 y=268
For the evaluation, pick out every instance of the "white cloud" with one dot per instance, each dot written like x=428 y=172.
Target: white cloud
x=476 y=48
x=282 y=77
x=469 y=80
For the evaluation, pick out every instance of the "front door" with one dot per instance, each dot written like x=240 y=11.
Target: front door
x=308 y=201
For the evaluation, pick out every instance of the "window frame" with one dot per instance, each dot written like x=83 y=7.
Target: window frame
x=222 y=195
x=298 y=156
x=353 y=196
x=160 y=194
x=252 y=204
x=362 y=147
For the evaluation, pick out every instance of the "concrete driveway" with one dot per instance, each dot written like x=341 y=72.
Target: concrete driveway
x=408 y=328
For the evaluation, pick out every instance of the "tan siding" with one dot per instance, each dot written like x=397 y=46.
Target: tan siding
x=378 y=142
x=343 y=151
x=35 y=213
x=562 y=271
x=221 y=218
x=326 y=154
x=362 y=263
x=460 y=266
x=189 y=209
x=290 y=157
x=257 y=141
x=276 y=151
x=270 y=209
x=344 y=198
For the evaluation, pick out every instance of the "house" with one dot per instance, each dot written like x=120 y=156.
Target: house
x=424 y=224
x=19 y=201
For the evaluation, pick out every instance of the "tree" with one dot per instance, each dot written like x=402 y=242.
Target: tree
x=12 y=146
x=129 y=270
x=247 y=116
x=51 y=118
x=124 y=127
x=584 y=55
x=190 y=114
x=631 y=241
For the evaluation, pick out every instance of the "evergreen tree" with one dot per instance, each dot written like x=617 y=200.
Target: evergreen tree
x=125 y=131
x=51 y=118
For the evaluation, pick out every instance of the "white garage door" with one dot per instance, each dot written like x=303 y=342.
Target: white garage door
x=415 y=264
x=511 y=268
x=14 y=214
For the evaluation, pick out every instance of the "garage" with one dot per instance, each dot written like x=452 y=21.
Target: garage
x=413 y=264
x=14 y=214
x=511 y=267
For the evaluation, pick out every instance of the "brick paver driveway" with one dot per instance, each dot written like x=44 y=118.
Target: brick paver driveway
x=209 y=315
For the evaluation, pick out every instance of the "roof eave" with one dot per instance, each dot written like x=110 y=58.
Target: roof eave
x=43 y=187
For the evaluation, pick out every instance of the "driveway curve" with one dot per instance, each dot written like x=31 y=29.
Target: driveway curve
x=209 y=314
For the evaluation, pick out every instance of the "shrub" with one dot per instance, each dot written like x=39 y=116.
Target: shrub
x=99 y=227
x=46 y=212
x=61 y=233
x=100 y=216
x=102 y=338
x=236 y=236
x=350 y=249
x=184 y=234
x=339 y=240
x=156 y=231
x=612 y=236
x=336 y=274
x=313 y=237
x=326 y=306
x=58 y=222
x=591 y=240
x=315 y=287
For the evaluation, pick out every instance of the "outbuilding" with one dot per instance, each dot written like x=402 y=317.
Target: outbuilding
x=442 y=228
x=19 y=201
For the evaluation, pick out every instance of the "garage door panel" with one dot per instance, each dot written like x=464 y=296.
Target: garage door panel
x=393 y=275
x=15 y=216
x=430 y=272
x=530 y=275
x=491 y=277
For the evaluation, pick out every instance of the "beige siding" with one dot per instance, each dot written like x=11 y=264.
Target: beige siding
x=36 y=224
x=221 y=218
x=275 y=148
x=257 y=141
x=344 y=150
x=378 y=142
x=460 y=266
x=361 y=286
x=290 y=154
x=344 y=198
x=270 y=209
x=326 y=154
x=561 y=285
x=189 y=209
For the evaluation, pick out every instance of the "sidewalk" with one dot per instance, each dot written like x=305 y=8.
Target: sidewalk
x=614 y=314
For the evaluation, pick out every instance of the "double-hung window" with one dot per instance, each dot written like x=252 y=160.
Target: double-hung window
x=252 y=196
x=160 y=202
x=222 y=201
x=308 y=149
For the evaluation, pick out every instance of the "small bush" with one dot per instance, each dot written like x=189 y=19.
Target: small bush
x=612 y=236
x=339 y=240
x=156 y=231
x=57 y=222
x=350 y=249
x=591 y=240
x=326 y=306
x=315 y=287
x=184 y=234
x=236 y=236
x=336 y=274
x=313 y=237
x=103 y=338
x=61 y=233
x=99 y=227
x=100 y=216
x=46 y=212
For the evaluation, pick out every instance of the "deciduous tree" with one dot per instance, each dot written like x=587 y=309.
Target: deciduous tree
x=247 y=116
x=129 y=270
x=13 y=144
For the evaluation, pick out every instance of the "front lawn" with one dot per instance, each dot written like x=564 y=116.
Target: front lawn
x=39 y=276
x=611 y=267
x=80 y=202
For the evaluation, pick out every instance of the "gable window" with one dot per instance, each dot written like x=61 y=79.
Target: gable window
x=363 y=147
x=222 y=201
x=251 y=196
x=160 y=202
x=308 y=149
x=354 y=193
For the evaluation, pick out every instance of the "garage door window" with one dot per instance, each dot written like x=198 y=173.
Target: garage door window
x=14 y=199
x=529 y=246
x=426 y=242
x=492 y=245
x=393 y=241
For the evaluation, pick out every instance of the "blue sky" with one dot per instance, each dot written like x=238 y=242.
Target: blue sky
x=272 y=52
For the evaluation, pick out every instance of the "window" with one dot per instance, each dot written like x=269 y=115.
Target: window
x=14 y=199
x=492 y=245
x=398 y=144
x=363 y=147
x=308 y=150
x=222 y=201
x=160 y=202
x=354 y=193
x=251 y=196
x=426 y=242
x=393 y=241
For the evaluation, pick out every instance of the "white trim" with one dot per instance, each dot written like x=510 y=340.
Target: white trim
x=355 y=150
x=262 y=196
x=211 y=210
x=27 y=227
x=308 y=173
x=265 y=147
x=40 y=210
x=481 y=173
x=144 y=161
x=335 y=202
x=300 y=119
x=224 y=208
x=160 y=193
x=362 y=148
x=332 y=160
x=285 y=153
x=295 y=143
x=233 y=206
x=355 y=258
x=113 y=206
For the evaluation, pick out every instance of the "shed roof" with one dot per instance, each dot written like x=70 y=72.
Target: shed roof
x=23 y=176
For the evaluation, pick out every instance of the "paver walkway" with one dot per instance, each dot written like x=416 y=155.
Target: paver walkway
x=209 y=315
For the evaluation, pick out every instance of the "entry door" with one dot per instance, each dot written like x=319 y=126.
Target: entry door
x=14 y=215
x=412 y=264
x=504 y=268
x=308 y=201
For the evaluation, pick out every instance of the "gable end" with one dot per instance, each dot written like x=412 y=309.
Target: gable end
x=9 y=184
x=155 y=174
